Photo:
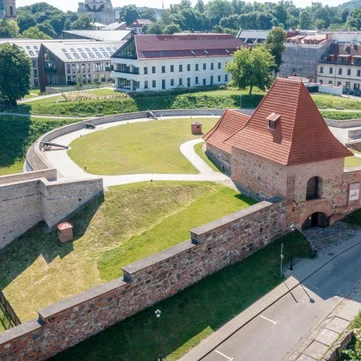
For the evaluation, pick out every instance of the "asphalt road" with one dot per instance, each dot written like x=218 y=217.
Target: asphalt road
x=276 y=333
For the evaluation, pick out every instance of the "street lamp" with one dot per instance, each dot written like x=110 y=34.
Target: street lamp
x=292 y=229
x=160 y=357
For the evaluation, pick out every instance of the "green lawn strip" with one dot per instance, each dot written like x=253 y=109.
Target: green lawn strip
x=158 y=238
x=145 y=147
x=341 y=115
x=352 y=162
x=102 y=92
x=333 y=101
x=198 y=148
x=18 y=133
x=37 y=270
x=192 y=314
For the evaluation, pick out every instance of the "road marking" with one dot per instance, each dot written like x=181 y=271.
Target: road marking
x=316 y=288
x=222 y=354
x=267 y=319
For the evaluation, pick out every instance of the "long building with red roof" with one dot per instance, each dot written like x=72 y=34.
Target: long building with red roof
x=286 y=151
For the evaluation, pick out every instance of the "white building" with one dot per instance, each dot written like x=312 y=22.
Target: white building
x=101 y=11
x=164 y=62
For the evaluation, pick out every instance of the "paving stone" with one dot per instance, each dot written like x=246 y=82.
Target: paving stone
x=316 y=350
x=304 y=357
x=327 y=337
x=350 y=311
x=338 y=325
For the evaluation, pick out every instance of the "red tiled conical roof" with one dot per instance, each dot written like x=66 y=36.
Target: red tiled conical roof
x=230 y=123
x=300 y=135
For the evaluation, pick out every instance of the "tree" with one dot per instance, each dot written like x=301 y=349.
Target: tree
x=46 y=28
x=83 y=23
x=14 y=85
x=275 y=41
x=155 y=28
x=305 y=19
x=26 y=20
x=128 y=13
x=200 y=6
x=35 y=33
x=79 y=81
x=8 y=29
x=251 y=68
x=166 y=17
x=171 y=29
x=148 y=14
x=218 y=9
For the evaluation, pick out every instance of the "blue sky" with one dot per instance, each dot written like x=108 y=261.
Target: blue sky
x=73 y=4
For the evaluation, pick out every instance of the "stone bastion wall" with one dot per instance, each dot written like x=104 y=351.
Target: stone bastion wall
x=146 y=282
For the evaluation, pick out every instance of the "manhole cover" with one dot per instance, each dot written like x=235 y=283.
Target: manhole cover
x=331 y=254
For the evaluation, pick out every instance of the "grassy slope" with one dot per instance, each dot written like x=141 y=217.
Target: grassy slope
x=37 y=270
x=17 y=135
x=352 y=162
x=194 y=313
x=199 y=150
x=147 y=147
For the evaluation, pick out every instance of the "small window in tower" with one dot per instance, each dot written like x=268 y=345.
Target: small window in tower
x=272 y=120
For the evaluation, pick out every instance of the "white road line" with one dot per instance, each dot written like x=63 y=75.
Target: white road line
x=316 y=288
x=222 y=354
x=267 y=319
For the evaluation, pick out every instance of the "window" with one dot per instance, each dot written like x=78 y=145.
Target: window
x=321 y=69
x=338 y=83
x=35 y=73
x=330 y=70
x=172 y=82
x=154 y=83
x=219 y=79
x=163 y=68
x=272 y=120
x=146 y=84
x=197 y=67
x=188 y=67
x=172 y=68
x=204 y=82
x=180 y=81
x=68 y=68
x=153 y=69
x=321 y=81
x=197 y=80
x=313 y=188
x=211 y=79
x=358 y=72
x=188 y=82
x=330 y=82
x=347 y=85
x=212 y=66
x=180 y=68
x=339 y=71
x=163 y=84
x=226 y=77
x=35 y=63
x=219 y=65
x=73 y=68
x=348 y=71
x=356 y=86
x=204 y=66
x=145 y=70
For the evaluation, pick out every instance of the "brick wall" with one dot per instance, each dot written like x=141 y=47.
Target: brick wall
x=219 y=157
x=213 y=247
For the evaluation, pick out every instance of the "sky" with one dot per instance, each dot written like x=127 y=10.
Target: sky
x=73 y=4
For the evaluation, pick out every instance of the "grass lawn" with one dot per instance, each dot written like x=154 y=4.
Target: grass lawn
x=5 y=323
x=17 y=135
x=133 y=222
x=192 y=314
x=352 y=162
x=145 y=147
x=333 y=101
x=199 y=150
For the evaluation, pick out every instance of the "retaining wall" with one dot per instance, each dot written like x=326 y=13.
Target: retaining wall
x=212 y=247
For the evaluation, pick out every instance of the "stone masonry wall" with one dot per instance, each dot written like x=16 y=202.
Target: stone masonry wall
x=219 y=157
x=213 y=247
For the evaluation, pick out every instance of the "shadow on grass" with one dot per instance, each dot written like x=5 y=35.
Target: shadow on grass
x=20 y=108
x=193 y=313
x=20 y=254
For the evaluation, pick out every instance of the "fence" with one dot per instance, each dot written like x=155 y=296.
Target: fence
x=9 y=311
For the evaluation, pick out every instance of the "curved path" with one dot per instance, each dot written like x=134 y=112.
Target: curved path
x=68 y=169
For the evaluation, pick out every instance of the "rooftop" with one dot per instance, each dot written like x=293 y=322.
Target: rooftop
x=100 y=35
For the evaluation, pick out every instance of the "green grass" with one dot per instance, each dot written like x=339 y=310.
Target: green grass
x=199 y=150
x=37 y=270
x=145 y=147
x=192 y=314
x=333 y=101
x=18 y=133
x=102 y=92
x=201 y=211
x=5 y=323
x=351 y=162
x=354 y=218
x=341 y=115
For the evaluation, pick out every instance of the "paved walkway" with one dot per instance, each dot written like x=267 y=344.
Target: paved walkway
x=71 y=171
x=42 y=116
x=274 y=327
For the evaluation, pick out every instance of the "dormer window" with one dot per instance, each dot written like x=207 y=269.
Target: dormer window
x=272 y=120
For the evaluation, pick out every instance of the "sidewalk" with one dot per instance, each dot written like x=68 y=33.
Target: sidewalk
x=302 y=271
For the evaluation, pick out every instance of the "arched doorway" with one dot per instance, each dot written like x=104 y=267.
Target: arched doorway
x=313 y=191
x=317 y=219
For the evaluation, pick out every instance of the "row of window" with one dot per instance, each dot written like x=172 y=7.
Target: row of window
x=340 y=71
x=86 y=68
x=356 y=86
x=181 y=68
x=188 y=83
x=86 y=78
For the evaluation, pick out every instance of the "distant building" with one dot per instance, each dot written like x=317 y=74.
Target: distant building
x=61 y=63
x=163 y=62
x=98 y=35
x=137 y=25
x=8 y=9
x=101 y=11
x=252 y=37
x=98 y=26
x=116 y=26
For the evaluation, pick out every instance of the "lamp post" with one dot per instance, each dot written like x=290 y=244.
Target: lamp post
x=292 y=229
x=160 y=357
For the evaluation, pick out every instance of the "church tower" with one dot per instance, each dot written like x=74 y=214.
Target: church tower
x=9 y=9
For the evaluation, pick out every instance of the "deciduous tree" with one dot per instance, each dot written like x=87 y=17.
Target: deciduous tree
x=276 y=43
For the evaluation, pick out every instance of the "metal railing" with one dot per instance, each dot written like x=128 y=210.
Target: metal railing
x=8 y=310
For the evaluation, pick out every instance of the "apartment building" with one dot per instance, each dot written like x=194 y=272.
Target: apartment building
x=341 y=66
x=165 y=62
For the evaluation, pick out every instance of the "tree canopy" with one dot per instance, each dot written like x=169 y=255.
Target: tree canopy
x=251 y=68
x=276 y=43
x=13 y=84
